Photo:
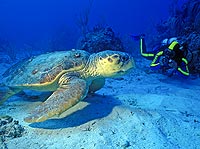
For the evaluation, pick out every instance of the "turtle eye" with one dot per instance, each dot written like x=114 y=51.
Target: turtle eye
x=77 y=55
x=110 y=60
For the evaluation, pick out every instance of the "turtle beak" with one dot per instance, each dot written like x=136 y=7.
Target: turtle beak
x=127 y=60
x=124 y=58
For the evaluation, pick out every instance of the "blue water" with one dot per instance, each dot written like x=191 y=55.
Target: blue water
x=27 y=22
x=160 y=108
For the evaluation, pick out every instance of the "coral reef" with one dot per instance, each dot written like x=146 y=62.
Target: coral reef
x=9 y=129
x=184 y=23
x=100 y=39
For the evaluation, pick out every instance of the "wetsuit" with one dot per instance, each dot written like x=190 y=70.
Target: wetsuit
x=173 y=52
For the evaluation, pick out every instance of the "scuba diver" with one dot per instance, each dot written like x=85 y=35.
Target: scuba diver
x=169 y=55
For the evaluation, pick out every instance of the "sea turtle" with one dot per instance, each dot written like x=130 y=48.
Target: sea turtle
x=70 y=75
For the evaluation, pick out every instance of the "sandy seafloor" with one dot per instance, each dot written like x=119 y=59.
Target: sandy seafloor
x=140 y=111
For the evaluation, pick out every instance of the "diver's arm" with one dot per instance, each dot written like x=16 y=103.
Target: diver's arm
x=143 y=50
x=155 y=64
x=183 y=68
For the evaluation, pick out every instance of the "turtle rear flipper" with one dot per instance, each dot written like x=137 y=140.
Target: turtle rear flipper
x=66 y=96
x=7 y=92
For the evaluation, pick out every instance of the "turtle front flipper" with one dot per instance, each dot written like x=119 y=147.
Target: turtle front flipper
x=67 y=95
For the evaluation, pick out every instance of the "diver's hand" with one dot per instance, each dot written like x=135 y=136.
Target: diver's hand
x=172 y=64
x=137 y=37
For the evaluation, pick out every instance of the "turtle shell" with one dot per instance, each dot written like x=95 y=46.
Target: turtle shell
x=44 y=68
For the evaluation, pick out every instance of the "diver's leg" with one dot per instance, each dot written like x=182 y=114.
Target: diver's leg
x=183 y=68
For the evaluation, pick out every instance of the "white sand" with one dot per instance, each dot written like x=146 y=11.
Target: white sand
x=139 y=111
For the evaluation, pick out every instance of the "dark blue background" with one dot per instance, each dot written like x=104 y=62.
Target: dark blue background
x=29 y=21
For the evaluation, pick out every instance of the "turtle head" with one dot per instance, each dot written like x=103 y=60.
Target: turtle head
x=112 y=63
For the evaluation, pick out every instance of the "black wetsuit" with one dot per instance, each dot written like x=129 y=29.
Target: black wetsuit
x=171 y=51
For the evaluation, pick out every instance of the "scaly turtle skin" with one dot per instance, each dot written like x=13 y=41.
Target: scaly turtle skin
x=70 y=75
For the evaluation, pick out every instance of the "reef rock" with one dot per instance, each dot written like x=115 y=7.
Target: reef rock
x=100 y=39
x=9 y=129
